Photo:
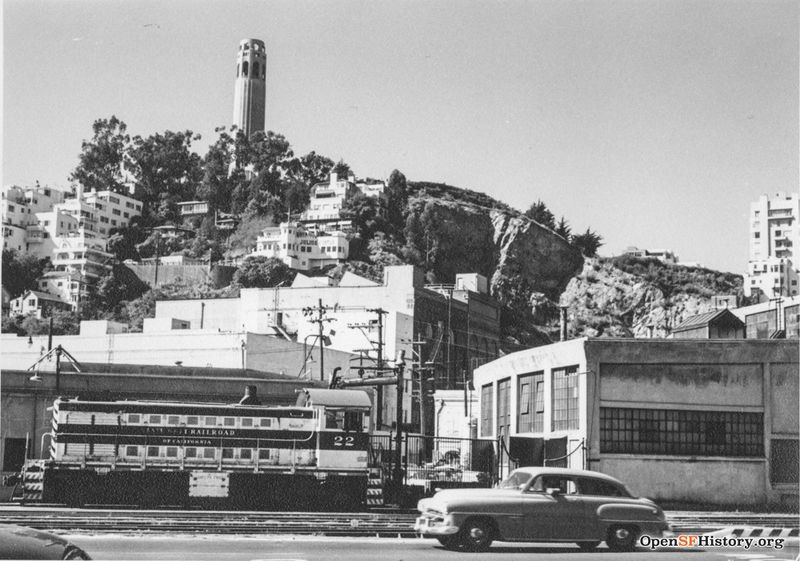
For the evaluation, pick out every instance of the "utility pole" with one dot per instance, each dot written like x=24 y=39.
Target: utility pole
x=378 y=346
x=320 y=320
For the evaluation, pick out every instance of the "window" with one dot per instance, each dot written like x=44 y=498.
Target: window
x=681 y=433
x=172 y=452
x=134 y=418
x=227 y=453
x=132 y=451
x=173 y=420
x=263 y=454
x=565 y=485
x=247 y=422
x=230 y=422
x=565 y=398
x=530 y=411
x=487 y=401
x=757 y=235
x=783 y=461
x=192 y=420
x=266 y=422
x=211 y=421
x=152 y=451
x=115 y=211
x=591 y=486
x=209 y=453
x=155 y=419
x=245 y=454
x=190 y=453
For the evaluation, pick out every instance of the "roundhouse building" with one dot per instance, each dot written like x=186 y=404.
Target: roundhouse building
x=703 y=421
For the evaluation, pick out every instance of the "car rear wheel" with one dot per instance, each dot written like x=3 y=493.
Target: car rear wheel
x=588 y=546
x=476 y=535
x=449 y=542
x=622 y=538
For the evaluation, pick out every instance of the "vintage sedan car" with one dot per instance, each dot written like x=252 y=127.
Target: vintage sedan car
x=19 y=542
x=540 y=504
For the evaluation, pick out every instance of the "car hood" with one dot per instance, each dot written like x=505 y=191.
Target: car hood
x=446 y=500
x=19 y=542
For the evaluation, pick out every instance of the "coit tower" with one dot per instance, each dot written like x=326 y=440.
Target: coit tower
x=250 y=91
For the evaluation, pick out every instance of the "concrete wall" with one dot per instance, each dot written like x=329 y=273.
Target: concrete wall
x=712 y=480
x=217 y=276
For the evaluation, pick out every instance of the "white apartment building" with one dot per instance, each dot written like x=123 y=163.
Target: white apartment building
x=664 y=255
x=327 y=200
x=300 y=248
x=774 y=233
x=19 y=207
x=80 y=252
x=112 y=210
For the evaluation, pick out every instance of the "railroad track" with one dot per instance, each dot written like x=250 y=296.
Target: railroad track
x=381 y=524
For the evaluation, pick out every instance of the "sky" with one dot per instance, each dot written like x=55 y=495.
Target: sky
x=654 y=123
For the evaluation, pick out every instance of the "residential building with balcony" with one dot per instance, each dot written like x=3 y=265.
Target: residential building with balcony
x=664 y=255
x=774 y=236
x=328 y=198
x=80 y=252
x=188 y=209
x=300 y=248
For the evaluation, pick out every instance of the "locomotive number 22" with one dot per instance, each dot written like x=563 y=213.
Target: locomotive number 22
x=343 y=441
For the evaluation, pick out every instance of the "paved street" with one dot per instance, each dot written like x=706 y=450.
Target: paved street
x=305 y=548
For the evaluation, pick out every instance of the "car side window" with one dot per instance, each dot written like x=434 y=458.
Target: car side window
x=565 y=485
x=590 y=486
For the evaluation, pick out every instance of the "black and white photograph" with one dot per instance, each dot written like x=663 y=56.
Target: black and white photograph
x=415 y=279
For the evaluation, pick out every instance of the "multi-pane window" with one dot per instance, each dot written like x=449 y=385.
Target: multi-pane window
x=530 y=410
x=681 y=433
x=487 y=402
x=503 y=407
x=565 y=398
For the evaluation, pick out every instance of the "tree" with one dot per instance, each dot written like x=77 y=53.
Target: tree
x=22 y=270
x=396 y=199
x=101 y=161
x=312 y=168
x=538 y=212
x=64 y=323
x=588 y=242
x=366 y=214
x=563 y=229
x=165 y=169
x=117 y=286
x=218 y=184
x=341 y=169
x=262 y=272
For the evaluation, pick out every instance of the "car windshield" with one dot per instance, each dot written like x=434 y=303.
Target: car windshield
x=514 y=480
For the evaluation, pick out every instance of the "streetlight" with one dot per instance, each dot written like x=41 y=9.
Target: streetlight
x=57 y=351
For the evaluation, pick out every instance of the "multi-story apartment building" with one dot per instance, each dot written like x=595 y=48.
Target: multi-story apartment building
x=82 y=252
x=664 y=255
x=19 y=207
x=112 y=210
x=774 y=235
x=328 y=199
x=301 y=248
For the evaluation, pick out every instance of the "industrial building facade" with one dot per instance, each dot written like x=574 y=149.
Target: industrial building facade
x=702 y=421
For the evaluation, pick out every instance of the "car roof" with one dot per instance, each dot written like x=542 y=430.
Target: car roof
x=537 y=470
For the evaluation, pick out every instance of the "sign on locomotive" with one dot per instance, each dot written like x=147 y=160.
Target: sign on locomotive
x=312 y=455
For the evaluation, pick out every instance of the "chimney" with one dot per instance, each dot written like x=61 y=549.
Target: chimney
x=250 y=396
x=562 y=323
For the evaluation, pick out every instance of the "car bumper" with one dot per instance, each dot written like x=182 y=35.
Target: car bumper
x=428 y=526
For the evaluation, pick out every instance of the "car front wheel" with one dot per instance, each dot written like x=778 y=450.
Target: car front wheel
x=621 y=538
x=476 y=535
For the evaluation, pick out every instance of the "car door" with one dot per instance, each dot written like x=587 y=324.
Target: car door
x=595 y=493
x=553 y=516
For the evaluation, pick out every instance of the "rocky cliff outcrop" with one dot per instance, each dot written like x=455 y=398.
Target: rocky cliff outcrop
x=607 y=300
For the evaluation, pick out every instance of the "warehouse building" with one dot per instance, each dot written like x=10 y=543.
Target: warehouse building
x=689 y=420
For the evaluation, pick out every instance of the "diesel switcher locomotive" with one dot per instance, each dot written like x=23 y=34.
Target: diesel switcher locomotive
x=313 y=455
